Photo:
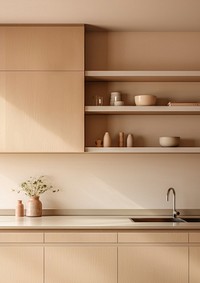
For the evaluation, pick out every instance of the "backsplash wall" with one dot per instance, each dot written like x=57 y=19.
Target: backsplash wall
x=92 y=181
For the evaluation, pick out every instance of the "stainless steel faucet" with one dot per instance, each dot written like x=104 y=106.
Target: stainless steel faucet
x=175 y=212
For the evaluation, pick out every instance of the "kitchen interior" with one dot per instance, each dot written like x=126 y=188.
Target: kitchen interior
x=116 y=209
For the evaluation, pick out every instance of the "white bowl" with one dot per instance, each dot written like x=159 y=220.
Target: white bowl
x=169 y=141
x=145 y=100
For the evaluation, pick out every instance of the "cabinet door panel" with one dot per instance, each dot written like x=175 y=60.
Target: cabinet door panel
x=21 y=264
x=194 y=260
x=153 y=264
x=41 y=112
x=81 y=264
x=41 y=48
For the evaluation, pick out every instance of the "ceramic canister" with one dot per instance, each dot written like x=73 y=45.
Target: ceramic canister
x=129 y=140
x=106 y=140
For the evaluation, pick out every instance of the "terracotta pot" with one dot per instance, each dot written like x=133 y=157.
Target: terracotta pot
x=34 y=207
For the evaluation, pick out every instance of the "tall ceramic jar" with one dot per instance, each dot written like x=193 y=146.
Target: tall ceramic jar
x=129 y=141
x=19 y=211
x=106 y=140
x=34 y=207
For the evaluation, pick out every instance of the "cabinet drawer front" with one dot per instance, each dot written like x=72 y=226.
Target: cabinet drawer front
x=194 y=237
x=42 y=48
x=81 y=237
x=21 y=237
x=152 y=237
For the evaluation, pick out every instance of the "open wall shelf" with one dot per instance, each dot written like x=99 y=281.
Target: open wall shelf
x=143 y=76
x=161 y=150
x=152 y=110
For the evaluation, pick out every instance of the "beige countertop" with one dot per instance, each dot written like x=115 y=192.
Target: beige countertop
x=85 y=222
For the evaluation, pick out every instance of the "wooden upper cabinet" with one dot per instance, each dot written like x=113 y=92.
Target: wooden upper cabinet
x=41 y=47
x=41 y=111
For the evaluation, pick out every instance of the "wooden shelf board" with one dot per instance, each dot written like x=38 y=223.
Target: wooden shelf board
x=156 y=76
x=174 y=150
x=126 y=110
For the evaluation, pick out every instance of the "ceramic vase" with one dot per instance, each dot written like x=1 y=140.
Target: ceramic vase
x=19 y=211
x=129 y=141
x=121 y=139
x=34 y=207
x=106 y=140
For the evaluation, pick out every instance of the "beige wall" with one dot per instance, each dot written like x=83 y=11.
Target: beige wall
x=105 y=181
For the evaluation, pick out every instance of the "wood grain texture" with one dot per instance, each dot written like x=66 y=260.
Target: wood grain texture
x=21 y=237
x=81 y=264
x=41 y=111
x=41 y=48
x=21 y=264
x=194 y=237
x=81 y=237
x=152 y=237
x=153 y=264
x=194 y=263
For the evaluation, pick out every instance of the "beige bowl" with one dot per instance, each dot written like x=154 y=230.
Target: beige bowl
x=145 y=100
x=169 y=141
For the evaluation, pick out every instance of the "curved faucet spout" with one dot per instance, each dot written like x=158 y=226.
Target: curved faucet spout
x=175 y=212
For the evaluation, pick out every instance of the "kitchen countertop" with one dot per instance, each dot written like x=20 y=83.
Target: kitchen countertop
x=86 y=222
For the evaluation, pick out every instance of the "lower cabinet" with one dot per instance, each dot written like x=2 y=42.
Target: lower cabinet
x=81 y=257
x=153 y=264
x=194 y=258
x=153 y=257
x=21 y=264
x=99 y=257
x=21 y=258
x=81 y=264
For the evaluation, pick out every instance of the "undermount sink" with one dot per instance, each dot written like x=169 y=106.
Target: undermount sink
x=157 y=219
x=187 y=219
x=165 y=219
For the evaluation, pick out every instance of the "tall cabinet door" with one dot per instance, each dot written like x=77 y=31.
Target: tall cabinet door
x=41 y=89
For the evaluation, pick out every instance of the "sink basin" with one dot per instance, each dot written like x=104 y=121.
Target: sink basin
x=191 y=219
x=158 y=219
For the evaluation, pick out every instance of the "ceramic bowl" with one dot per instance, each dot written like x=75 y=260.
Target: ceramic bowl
x=145 y=100
x=169 y=141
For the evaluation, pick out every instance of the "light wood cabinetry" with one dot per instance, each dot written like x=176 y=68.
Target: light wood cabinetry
x=42 y=89
x=21 y=257
x=123 y=71
x=41 y=47
x=84 y=256
x=153 y=264
x=153 y=257
x=81 y=258
x=194 y=257
x=41 y=112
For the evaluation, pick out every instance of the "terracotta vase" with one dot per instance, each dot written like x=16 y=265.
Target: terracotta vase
x=34 y=207
x=19 y=211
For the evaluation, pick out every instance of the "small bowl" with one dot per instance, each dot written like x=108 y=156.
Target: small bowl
x=145 y=100
x=169 y=141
